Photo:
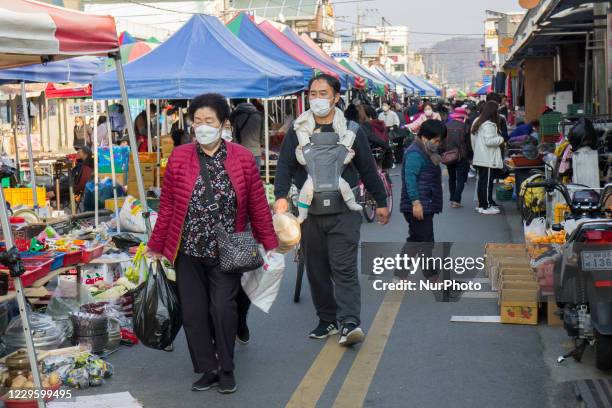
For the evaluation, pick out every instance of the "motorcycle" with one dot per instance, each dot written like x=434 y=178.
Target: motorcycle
x=582 y=274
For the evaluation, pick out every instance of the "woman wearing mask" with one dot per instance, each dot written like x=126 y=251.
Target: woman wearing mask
x=184 y=234
x=486 y=143
x=428 y=114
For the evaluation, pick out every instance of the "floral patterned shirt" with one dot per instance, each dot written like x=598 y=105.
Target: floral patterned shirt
x=198 y=238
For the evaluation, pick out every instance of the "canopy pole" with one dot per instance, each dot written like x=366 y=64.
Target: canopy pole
x=26 y=122
x=133 y=145
x=158 y=144
x=15 y=140
x=149 y=139
x=21 y=301
x=48 y=126
x=40 y=121
x=66 y=123
x=113 y=173
x=96 y=173
x=267 y=140
x=303 y=102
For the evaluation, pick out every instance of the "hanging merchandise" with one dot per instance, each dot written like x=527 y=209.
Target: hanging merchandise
x=157 y=314
x=532 y=201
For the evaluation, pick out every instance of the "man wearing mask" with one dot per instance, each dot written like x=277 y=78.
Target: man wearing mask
x=331 y=240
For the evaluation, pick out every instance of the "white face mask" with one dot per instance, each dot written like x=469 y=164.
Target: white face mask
x=207 y=135
x=226 y=134
x=428 y=112
x=320 y=107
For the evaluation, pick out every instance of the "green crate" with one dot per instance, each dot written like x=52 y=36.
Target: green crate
x=578 y=109
x=502 y=193
x=549 y=123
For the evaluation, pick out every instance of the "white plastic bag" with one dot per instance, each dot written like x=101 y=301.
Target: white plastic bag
x=262 y=285
x=131 y=218
x=536 y=228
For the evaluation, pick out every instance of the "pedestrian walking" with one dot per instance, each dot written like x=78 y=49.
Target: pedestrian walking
x=389 y=117
x=81 y=133
x=486 y=143
x=427 y=114
x=247 y=124
x=184 y=233
x=331 y=232
x=455 y=148
x=421 y=197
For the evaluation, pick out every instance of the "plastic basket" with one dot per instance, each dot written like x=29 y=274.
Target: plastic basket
x=72 y=257
x=24 y=196
x=28 y=278
x=522 y=161
x=549 y=123
x=44 y=264
x=92 y=253
x=56 y=258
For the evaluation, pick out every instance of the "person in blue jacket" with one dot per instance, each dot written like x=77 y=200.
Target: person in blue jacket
x=421 y=196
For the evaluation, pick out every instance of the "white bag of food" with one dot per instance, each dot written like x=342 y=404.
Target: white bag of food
x=262 y=285
x=288 y=232
x=130 y=216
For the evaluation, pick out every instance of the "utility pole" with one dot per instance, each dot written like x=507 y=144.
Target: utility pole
x=357 y=34
x=384 y=61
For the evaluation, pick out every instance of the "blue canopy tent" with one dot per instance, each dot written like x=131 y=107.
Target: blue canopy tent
x=248 y=32
x=203 y=56
x=430 y=90
x=420 y=88
x=346 y=80
x=392 y=85
x=408 y=88
x=373 y=83
x=79 y=70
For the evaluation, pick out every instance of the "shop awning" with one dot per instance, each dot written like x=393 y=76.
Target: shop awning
x=203 y=56
x=80 y=70
x=31 y=32
x=373 y=83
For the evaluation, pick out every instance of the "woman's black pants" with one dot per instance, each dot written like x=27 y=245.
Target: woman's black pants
x=208 y=306
x=486 y=177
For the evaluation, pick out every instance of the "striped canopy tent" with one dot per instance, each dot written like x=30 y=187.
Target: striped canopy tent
x=131 y=51
x=372 y=83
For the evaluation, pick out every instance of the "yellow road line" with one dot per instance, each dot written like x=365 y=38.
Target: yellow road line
x=314 y=382
x=358 y=380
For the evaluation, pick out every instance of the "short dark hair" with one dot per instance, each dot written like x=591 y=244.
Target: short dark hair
x=351 y=113
x=371 y=112
x=331 y=81
x=214 y=101
x=432 y=128
x=495 y=97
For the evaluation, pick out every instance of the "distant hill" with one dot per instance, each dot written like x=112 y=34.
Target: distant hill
x=456 y=60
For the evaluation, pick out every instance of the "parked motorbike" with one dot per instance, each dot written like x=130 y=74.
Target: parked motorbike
x=583 y=271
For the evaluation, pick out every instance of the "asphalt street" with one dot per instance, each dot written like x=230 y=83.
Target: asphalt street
x=413 y=355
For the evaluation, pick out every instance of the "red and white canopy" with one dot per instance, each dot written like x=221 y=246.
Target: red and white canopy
x=30 y=29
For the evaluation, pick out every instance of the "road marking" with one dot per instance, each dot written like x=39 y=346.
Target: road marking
x=358 y=380
x=314 y=382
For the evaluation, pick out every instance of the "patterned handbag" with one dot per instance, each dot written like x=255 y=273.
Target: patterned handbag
x=238 y=251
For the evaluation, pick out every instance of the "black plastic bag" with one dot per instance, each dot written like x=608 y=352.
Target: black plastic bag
x=157 y=313
x=126 y=240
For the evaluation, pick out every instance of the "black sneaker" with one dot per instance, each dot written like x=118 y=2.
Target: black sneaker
x=350 y=334
x=324 y=330
x=227 y=383
x=243 y=335
x=208 y=380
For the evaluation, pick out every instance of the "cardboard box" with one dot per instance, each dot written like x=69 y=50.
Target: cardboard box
x=147 y=170
x=520 y=285
x=92 y=273
x=110 y=203
x=120 y=177
x=551 y=317
x=519 y=306
x=133 y=187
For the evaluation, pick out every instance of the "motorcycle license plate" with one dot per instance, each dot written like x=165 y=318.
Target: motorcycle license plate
x=596 y=260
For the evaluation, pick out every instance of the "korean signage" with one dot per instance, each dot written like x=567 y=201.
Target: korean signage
x=340 y=55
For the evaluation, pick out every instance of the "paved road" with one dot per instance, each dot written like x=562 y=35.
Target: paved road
x=413 y=356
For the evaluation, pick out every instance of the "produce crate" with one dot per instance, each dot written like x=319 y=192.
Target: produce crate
x=549 y=123
x=56 y=258
x=92 y=253
x=44 y=264
x=28 y=278
x=504 y=194
x=522 y=161
x=72 y=258
x=24 y=196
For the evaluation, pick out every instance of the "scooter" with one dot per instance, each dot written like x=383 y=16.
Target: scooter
x=583 y=272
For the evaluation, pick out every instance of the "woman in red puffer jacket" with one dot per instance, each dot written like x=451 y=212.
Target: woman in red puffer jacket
x=184 y=234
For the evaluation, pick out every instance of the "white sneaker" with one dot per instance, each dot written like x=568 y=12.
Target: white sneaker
x=490 y=211
x=478 y=209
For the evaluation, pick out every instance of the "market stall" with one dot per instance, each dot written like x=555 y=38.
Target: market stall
x=407 y=88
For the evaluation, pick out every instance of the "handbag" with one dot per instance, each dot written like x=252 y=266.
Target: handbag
x=450 y=157
x=238 y=251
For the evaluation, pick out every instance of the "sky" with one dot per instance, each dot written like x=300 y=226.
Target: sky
x=431 y=16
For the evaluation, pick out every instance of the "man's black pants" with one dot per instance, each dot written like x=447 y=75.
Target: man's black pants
x=331 y=245
x=457 y=177
x=208 y=306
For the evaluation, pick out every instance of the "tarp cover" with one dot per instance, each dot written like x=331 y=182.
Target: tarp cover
x=30 y=30
x=203 y=56
x=408 y=88
x=244 y=28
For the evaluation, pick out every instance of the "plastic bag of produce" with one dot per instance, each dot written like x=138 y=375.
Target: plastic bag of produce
x=78 y=378
x=157 y=315
x=131 y=218
x=262 y=284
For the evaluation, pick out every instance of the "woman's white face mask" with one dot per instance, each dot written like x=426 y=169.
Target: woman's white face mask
x=207 y=135
x=226 y=134
x=428 y=112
